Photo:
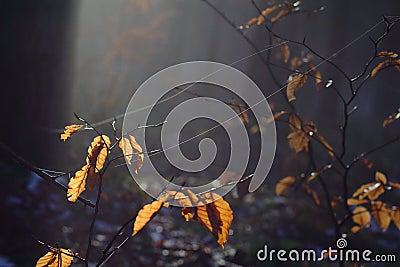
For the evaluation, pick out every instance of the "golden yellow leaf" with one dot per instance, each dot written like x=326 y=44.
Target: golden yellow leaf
x=380 y=177
x=251 y=22
x=354 y=201
x=381 y=212
x=370 y=190
x=77 y=184
x=296 y=81
x=216 y=217
x=277 y=115
x=379 y=67
x=280 y=15
x=388 y=54
x=145 y=215
x=260 y=19
x=269 y=10
x=396 y=217
x=187 y=213
x=285 y=52
x=130 y=147
x=312 y=176
x=69 y=131
x=361 y=217
x=391 y=119
x=283 y=185
x=98 y=152
x=56 y=258
x=394 y=185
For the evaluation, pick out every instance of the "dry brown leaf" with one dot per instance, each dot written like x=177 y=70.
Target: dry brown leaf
x=295 y=122
x=97 y=153
x=316 y=74
x=379 y=67
x=277 y=115
x=187 y=213
x=280 y=15
x=298 y=141
x=354 y=201
x=370 y=190
x=56 y=258
x=394 y=185
x=216 y=217
x=388 y=54
x=327 y=146
x=130 y=147
x=240 y=110
x=380 y=177
x=296 y=81
x=396 y=217
x=69 y=131
x=391 y=119
x=312 y=194
x=77 y=184
x=285 y=52
x=361 y=217
x=145 y=215
x=367 y=162
x=283 y=185
x=381 y=212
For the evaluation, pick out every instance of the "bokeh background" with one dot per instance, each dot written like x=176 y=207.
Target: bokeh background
x=89 y=56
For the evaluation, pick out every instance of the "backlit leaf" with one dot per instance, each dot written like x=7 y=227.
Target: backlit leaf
x=285 y=52
x=381 y=213
x=280 y=15
x=388 y=54
x=216 y=217
x=379 y=67
x=361 y=217
x=130 y=147
x=70 y=130
x=391 y=118
x=396 y=217
x=187 y=213
x=380 y=177
x=56 y=258
x=370 y=190
x=145 y=215
x=98 y=152
x=77 y=184
x=296 y=81
x=283 y=185
x=354 y=201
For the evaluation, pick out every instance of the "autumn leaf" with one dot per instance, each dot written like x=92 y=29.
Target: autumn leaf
x=69 y=131
x=145 y=215
x=361 y=217
x=187 y=213
x=277 y=115
x=379 y=67
x=269 y=10
x=380 y=177
x=327 y=146
x=367 y=162
x=370 y=190
x=77 y=184
x=130 y=147
x=280 y=15
x=216 y=217
x=311 y=193
x=56 y=258
x=354 y=201
x=317 y=76
x=97 y=153
x=283 y=185
x=381 y=213
x=285 y=52
x=397 y=185
x=240 y=110
x=391 y=118
x=251 y=22
x=296 y=81
x=388 y=54
x=396 y=217
x=298 y=141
